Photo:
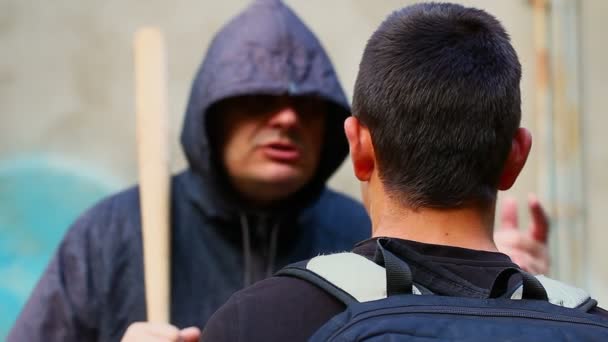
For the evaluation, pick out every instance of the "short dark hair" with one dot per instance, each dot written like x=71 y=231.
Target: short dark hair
x=438 y=88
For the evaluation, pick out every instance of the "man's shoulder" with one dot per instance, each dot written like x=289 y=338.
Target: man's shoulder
x=276 y=288
x=336 y=206
x=122 y=206
x=114 y=207
x=112 y=219
x=337 y=220
x=277 y=308
x=340 y=199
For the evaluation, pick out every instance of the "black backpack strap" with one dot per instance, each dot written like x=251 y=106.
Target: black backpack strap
x=542 y=288
x=587 y=305
x=532 y=288
x=562 y=294
x=399 y=279
x=299 y=270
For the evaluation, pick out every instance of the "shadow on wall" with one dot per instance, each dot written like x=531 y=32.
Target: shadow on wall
x=39 y=198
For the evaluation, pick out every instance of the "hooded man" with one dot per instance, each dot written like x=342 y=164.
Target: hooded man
x=262 y=135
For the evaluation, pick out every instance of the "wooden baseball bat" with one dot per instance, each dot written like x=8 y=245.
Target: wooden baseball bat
x=153 y=163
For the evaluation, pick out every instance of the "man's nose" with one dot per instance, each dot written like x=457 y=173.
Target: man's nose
x=286 y=117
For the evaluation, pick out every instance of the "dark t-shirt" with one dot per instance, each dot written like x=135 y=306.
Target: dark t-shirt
x=290 y=309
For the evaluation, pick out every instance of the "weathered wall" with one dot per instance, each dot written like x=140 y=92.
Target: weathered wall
x=66 y=72
x=595 y=121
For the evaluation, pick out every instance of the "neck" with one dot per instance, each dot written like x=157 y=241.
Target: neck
x=470 y=228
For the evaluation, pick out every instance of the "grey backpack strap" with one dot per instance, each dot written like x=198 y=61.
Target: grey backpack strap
x=299 y=270
x=347 y=276
x=562 y=294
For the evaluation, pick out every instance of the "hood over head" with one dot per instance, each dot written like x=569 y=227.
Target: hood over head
x=265 y=50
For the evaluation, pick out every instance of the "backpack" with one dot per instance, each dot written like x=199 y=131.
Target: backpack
x=384 y=304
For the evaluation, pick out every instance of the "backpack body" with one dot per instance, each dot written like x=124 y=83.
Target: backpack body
x=439 y=318
x=383 y=303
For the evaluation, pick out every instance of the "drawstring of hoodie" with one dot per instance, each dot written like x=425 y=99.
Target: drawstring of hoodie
x=246 y=250
x=272 y=250
x=247 y=254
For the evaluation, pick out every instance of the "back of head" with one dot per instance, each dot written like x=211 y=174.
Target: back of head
x=438 y=88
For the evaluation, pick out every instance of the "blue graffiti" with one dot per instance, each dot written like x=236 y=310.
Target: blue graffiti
x=39 y=199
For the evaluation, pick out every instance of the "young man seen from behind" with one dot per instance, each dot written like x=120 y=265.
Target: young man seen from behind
x=435 y=133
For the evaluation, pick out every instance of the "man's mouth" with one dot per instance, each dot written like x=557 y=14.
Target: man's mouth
x=282 y=152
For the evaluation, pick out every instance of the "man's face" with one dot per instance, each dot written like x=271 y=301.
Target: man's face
x=271 y=144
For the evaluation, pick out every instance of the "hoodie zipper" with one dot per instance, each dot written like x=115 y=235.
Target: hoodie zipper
x=269 y=235
x=246 y=244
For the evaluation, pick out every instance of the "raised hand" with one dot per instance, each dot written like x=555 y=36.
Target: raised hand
x=528 y=248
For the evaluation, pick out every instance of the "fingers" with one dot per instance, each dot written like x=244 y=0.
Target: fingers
x=527 y=249
x=539 y=227
x=511 y=239
x=529 y=254
x=509 y=218
x=191 y=334
x=529 y=263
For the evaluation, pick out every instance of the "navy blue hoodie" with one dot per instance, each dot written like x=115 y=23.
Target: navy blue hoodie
x=93 y=288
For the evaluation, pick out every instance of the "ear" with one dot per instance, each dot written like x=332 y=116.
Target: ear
x=361 y=148
x=520 y=148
